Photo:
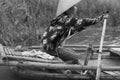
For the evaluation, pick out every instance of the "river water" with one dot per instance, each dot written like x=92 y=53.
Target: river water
x=5 y=74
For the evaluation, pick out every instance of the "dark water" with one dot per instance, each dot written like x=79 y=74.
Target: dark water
x=7 y=74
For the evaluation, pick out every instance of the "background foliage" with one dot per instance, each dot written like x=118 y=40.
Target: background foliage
x=23 y=21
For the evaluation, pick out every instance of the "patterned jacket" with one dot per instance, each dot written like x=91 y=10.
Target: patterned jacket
x=59 y=28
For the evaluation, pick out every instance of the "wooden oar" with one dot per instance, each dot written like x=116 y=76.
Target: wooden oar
x=100 y=50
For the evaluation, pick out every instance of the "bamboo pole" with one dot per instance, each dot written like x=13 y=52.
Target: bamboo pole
x=53 y=75
x=57 y=66
x=45 y=65
x=58 y=75
x=95 y=49
x=38 y=74
x=84 y=46
x=100 y=50
x=78 y=46
x=10 y=57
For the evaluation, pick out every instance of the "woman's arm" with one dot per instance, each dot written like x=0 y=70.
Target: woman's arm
x=89 y=21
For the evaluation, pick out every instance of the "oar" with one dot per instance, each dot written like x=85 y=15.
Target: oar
x=100 y=50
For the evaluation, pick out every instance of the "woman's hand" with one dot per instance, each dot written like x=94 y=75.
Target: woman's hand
x=106 y=15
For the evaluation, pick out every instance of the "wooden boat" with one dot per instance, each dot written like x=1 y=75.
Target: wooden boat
x=37 y=67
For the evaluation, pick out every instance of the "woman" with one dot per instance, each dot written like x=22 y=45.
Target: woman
x=58 y=31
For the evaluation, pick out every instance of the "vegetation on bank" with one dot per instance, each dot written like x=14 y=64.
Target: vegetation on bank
x=23 y=21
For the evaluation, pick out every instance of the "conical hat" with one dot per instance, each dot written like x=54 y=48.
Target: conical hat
x=64 y=5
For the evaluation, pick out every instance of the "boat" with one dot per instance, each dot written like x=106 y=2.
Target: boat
x=56 y=68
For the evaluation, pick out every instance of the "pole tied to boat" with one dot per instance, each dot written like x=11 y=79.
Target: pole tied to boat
x=101 y=46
